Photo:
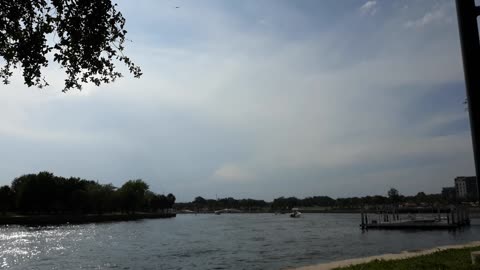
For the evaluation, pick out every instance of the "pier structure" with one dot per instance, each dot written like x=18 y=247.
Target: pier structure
x=449 y=218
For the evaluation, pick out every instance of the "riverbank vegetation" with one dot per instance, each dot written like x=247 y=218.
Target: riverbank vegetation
x=454 y=259
x=47 y=194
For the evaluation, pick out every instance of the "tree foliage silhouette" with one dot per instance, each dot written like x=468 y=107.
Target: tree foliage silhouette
x=5 y=199
x=45 y=193
x=133 y=194
x=393 y=195
x=85 y=37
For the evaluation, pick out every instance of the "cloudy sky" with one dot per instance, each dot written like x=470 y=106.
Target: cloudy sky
x=259 y=99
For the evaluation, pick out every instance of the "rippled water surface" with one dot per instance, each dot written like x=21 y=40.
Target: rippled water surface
x=230 y=241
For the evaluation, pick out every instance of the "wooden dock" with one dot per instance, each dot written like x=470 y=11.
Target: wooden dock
x=390 y=219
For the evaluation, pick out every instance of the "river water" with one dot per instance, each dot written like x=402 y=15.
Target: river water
x=229 y=241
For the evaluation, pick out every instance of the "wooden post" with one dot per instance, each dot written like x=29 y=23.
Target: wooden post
x=458 y=216
x=363 y=220
x=468 y=216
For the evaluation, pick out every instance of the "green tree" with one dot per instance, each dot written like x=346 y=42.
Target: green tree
x=100 y=197
x=6 y=199
x=85 y=37
x=45 y=193
x=393 y=195
x=80 y=201
x=170 y=200
x=133 y=195
x=421 y=197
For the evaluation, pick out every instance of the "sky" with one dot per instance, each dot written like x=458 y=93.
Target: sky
x=259 y=99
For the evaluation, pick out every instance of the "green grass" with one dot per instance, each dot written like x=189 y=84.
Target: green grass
x=455 y=259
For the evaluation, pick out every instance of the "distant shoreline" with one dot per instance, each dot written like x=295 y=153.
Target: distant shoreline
x=333 y=211
x=474 y=211
x=41 y=220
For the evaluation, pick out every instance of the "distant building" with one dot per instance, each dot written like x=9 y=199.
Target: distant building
x=449 y=193
x=466 y=188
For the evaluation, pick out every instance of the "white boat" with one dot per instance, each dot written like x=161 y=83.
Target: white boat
x=295 y=213
x=227 y=210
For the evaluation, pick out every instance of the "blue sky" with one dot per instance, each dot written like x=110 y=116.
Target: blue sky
x=259 y=99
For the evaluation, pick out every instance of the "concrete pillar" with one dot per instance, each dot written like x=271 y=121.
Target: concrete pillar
x=475 y=257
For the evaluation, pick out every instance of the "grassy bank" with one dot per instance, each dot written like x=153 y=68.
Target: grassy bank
x=455 y=259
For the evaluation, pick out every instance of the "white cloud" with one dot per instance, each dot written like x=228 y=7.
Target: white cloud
x=437 y=15
x=231 y=172
x=369 y=8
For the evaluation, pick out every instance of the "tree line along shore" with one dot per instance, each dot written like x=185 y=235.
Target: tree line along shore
x=45 y=198
x=48 y=198
x=317 y=204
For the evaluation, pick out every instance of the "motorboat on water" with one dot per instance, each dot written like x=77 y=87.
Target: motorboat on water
x=295 y=213
x=227 y=210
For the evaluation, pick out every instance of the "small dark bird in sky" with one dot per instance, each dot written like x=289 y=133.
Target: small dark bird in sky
x=177 y=7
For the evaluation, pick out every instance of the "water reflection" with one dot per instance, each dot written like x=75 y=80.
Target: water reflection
x=261 y=241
